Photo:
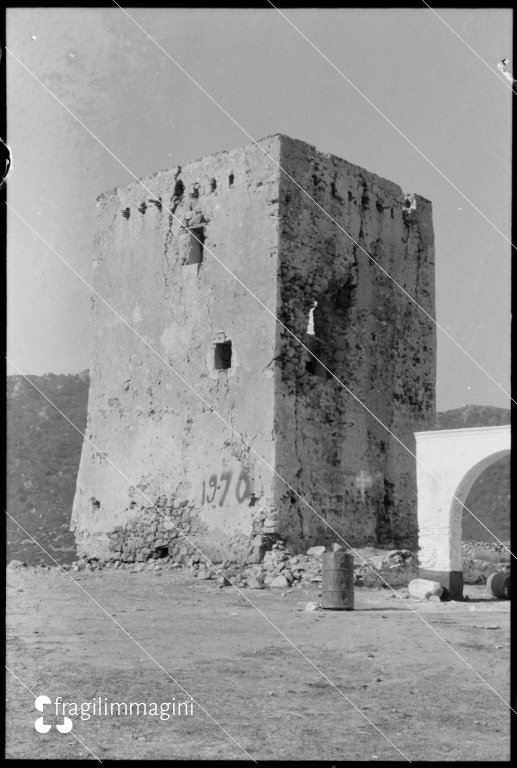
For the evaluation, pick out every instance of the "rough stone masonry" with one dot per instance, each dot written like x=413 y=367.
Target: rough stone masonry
x=183 y=468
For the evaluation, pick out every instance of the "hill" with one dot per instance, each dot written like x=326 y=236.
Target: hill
x=43 y=453
x=473 y=416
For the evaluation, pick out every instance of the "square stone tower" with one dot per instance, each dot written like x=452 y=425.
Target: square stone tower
x=162 y=460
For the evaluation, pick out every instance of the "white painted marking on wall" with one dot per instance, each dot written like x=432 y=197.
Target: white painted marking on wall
x=310 y=326
x=363 y=481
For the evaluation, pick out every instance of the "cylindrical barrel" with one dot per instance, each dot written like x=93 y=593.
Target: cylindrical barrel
x=498 y=585
x=337 y=581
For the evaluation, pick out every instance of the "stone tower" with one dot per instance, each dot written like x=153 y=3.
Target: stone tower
x=161 y=429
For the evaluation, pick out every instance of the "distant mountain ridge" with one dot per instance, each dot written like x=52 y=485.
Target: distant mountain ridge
x=473 y=416
x=43 y=453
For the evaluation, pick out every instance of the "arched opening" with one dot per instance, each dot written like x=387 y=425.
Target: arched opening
x=489 y=500
x=449 y=464
x=457 y=512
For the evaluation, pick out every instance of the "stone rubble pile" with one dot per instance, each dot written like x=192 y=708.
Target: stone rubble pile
x=486 y=550
x=480 y=559
x=394 y=568
x=279 y=568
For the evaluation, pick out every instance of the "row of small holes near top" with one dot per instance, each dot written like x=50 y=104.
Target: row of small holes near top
x=178 y=192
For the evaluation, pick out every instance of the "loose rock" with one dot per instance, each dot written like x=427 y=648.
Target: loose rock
x=256 y=582
x=279 y=582
x=316 y=551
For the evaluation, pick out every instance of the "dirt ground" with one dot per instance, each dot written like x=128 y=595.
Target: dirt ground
x=247 y=676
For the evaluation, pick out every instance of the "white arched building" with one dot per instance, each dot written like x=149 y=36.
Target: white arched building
x=449 y=461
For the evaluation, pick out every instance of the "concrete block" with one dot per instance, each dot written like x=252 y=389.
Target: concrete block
x=423 y=589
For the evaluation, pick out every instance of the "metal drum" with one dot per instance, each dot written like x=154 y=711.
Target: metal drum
x=498 y=585
x=337 y=581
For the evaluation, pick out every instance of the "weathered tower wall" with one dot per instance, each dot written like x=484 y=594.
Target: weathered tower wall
x=368 y=333
x=156 y=442
x=162 y=437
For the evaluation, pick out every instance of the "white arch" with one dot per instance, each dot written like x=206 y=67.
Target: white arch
x=449 y=463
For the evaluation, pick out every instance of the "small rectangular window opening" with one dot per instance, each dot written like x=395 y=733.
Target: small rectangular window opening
x=313 y=366
x=196 y=246
x=223 y=356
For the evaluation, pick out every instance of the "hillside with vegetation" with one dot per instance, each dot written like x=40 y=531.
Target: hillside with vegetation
x=43 y=452
x=489 y=499
x=44 y=449
x=473 y=416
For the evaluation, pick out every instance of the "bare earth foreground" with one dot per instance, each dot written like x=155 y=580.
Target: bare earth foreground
x=247 y=676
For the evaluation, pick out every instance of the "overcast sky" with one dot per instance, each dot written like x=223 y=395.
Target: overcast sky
x=452 y=106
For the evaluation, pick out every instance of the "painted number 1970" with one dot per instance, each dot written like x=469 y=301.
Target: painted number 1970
x=222 y=485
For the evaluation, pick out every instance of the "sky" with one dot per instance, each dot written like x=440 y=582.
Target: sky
x=454 y=107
